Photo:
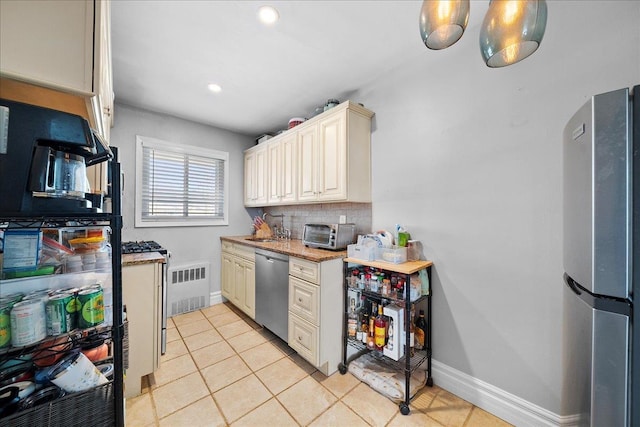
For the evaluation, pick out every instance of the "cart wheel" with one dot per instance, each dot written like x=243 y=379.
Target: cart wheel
x=404 y=408
x=430 y=382
x=342 y=368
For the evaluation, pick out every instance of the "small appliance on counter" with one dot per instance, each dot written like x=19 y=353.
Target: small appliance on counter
x=44 y=154
x=329 y=236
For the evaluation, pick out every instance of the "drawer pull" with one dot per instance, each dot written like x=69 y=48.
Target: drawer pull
x=299 y=299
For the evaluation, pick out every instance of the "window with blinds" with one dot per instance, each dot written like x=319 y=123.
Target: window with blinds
x=179 y=185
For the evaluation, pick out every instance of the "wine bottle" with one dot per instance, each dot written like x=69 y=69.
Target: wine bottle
x=380 y=330
x=371 y=345
x=421 y=331
x=352 y=324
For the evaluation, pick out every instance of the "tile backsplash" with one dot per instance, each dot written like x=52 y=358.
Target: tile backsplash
x=295 y=216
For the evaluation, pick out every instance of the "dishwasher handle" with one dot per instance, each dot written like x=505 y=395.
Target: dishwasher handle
x=272 y=256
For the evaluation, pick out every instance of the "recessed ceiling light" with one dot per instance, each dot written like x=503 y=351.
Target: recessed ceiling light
x=215 y=88
x=268 y=15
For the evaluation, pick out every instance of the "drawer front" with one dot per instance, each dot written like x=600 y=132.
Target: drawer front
x=303 y=300
x=305 y=270
x=227 y=246
x=246 y=252
x=303 y=338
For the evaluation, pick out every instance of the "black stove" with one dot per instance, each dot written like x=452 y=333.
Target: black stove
x=142 y=246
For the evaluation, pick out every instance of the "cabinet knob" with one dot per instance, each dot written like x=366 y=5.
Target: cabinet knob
x=299 y=299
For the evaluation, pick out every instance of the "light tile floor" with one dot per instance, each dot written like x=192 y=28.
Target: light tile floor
x=222 y=369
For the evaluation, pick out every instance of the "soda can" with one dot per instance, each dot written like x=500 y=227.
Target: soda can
x=57 y=317
x=91 y=308
x=28 y=323
x=5 y=324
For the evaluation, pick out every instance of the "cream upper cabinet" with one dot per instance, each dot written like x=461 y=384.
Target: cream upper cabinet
x=282 y=167
x=323 y=160
x=308 y=163
x=332 y=163
x=335 y=157
x=52 y=44
x=255 y=176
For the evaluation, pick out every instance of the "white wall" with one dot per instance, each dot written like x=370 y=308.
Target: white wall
x=470 y=161
x=187 y=244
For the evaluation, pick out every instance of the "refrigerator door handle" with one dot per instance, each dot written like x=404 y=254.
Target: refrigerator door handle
x=572 y=284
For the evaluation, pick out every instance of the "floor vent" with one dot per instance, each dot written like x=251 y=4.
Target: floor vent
x=188 y=288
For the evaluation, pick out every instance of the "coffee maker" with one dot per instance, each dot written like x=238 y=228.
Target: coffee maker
x=44 y=154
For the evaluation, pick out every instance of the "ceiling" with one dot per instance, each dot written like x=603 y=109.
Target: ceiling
x=165 y=53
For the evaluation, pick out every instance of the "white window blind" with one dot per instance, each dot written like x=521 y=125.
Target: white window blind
x=178 y=185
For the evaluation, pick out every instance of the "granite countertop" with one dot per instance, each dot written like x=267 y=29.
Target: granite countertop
x=141 y=258
x=291 y=247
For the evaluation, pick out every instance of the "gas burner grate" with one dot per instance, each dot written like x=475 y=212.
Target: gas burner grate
x=142 y=246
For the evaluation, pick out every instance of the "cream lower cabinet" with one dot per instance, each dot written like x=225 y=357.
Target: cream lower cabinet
x=238 y=276
x=315 y=312
x=142 y=297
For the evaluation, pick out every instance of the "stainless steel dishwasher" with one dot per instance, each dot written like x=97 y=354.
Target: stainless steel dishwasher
x=272 y=291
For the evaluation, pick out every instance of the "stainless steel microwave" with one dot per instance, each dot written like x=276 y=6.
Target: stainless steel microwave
x=329 y=236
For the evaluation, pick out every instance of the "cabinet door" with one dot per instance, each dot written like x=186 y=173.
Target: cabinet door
x=332 y=158
x=308 y=163
x=104 y=78
x=48 y=43
x=289 y=168
x=249 y=178
x=249 y=284
x=255 y=176
x=274 y=160
x=239 y=277
x=304 y=300
x=141 y=294
x=303 y=338
x=227 y=276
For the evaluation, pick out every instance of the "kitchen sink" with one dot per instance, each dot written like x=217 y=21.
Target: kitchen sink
x=261 y=239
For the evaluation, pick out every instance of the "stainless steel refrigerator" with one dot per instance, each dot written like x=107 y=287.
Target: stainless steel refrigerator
x=601 y=161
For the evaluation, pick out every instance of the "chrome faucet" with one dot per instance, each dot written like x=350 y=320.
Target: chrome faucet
x=281 y=232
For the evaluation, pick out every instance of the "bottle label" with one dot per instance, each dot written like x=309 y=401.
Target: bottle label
x=380 y=335
x=419 y=339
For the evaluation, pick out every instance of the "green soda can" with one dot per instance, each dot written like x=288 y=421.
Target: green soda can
x=5 y=324
x=56 y=313
x=91 y=308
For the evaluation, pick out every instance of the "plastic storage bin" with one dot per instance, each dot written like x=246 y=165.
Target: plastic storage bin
x=394 y=254
x=365 y=253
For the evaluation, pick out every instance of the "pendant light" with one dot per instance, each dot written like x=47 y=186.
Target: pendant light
x=512 y=30
x=442 y=22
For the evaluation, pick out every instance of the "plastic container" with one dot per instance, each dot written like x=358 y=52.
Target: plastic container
x=365 y=253
x=88 y=244
x=394 y=254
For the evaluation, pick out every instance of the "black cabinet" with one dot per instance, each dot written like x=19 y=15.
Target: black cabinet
x=396 y=296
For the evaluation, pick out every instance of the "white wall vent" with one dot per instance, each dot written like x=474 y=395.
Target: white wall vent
x=188 y=288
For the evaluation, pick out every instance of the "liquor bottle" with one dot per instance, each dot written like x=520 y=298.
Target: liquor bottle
x=364 y=327
x=390 y=333
x=421 y=331
x=412 y=335
x=352 y=324
x=380 y=330
x=371 y=344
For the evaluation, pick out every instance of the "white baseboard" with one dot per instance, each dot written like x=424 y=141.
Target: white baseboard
x=215 y=298
x=500 y=403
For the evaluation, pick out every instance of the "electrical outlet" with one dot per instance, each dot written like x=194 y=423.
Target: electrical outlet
x=343 y=219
